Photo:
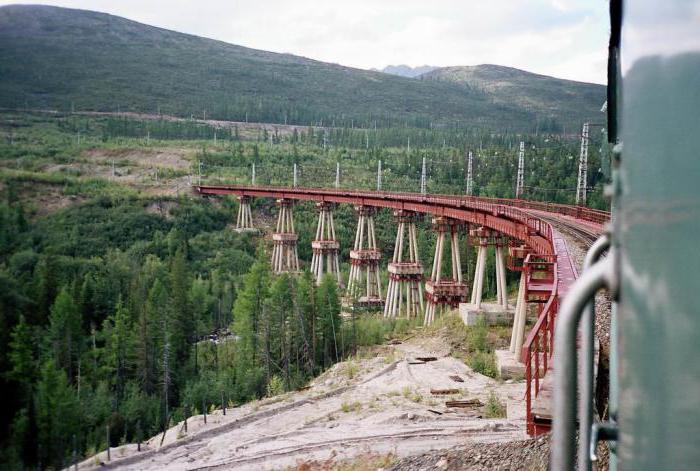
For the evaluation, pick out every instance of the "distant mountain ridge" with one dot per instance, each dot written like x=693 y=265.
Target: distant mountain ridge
x=514 y=86
x=60 y=58
x=407 y=71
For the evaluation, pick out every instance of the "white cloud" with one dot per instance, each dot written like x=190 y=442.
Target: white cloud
x=566 y=38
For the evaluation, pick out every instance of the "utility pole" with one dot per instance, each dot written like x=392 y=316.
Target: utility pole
x=470 y=176
x=521 y=171
x=582 y=167
x=379 y=176
x=423 y=178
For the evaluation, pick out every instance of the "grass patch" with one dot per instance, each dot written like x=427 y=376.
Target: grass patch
x=351 y=369
x=495 y=408
x=412 y=395
x=354 y=406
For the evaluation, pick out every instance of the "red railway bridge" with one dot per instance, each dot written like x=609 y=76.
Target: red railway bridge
x=534 y=248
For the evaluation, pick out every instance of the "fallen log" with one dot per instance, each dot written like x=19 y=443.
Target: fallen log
x=426 y=358
x=467 y=404
x=444 y=392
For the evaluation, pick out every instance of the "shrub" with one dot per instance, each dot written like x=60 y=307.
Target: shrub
x=495 y=409
x=275 y=387
x=484 y=363
x=351 y=406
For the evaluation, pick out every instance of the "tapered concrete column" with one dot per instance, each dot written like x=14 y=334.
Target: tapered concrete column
x=285 y=257
x=404 y=294
x=518 y=333
x=441 y=292
x=479 y=273
x=364 y=284
x=501 y=284
x=325 y=247
x=244 y=220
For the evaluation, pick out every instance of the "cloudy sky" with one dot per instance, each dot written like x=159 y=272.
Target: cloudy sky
x=563 y=38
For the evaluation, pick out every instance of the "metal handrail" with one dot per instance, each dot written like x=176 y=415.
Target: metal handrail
x=587 y=351
x=598 y=276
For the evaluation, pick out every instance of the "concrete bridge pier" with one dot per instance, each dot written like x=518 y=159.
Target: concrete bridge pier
x=325 y=247
x=244 y=221
x=364 y=285
x=439 y=291
x=517 y=257
x=484 y=238
x=509 y=362
x=285 y=257
x=405 y=291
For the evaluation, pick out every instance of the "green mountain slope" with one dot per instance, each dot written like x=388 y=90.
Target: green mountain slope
x=538 y=93
x=62 y=58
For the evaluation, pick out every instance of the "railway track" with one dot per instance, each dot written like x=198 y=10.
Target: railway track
x=585 y=236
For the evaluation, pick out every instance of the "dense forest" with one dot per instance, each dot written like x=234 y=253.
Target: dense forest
x=124 y=308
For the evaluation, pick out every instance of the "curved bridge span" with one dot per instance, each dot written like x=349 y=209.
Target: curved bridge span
x=507 y=216
x=547 y=266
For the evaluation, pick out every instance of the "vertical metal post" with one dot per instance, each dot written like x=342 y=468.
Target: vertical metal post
x=337 y=174
x=408 y=146
x=521 y=171
x=582 y=167
x=379 y=176
x=253 y=175
x=295 y=175
x=423 y=176
x=200 y=172
x=470 y=176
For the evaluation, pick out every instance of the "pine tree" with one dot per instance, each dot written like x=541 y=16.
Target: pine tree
x=65 y=333
x=22 y=362
x=329 y=320
x=57 y=411
x=119 y=347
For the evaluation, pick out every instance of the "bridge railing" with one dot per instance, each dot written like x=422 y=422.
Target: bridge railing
x=537 y=353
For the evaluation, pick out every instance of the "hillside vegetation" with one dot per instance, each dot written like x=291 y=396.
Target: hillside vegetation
x=541 y=94
x=73 y=59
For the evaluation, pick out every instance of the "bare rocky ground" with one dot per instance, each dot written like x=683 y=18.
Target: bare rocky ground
x=380 y=406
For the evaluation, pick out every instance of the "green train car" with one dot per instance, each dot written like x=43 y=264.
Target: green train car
x=652 y=269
